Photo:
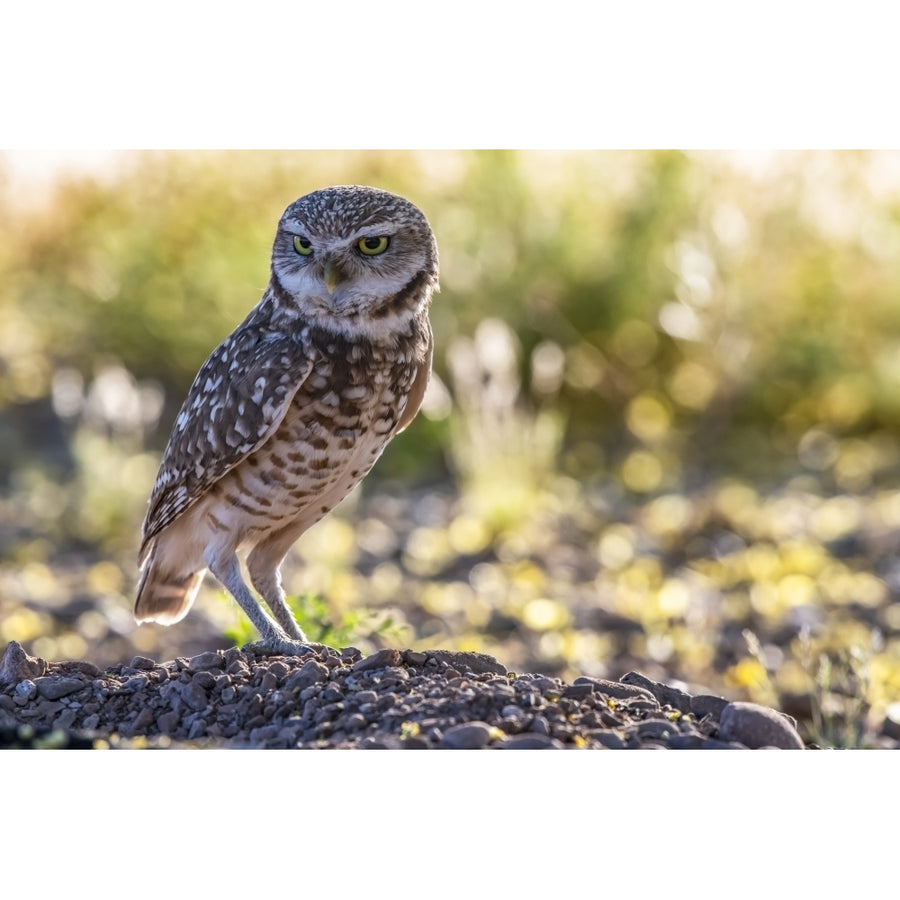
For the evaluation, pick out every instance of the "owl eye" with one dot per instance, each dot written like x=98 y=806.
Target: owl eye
x=373 y=246
x=303 y=246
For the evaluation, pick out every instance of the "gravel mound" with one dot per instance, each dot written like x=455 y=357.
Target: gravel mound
x=341 y=699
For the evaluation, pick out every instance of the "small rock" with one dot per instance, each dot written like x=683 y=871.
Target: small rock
x=268 y=683
x=233 y=655
x=194 y=696
x=476 y=663
x=133 y=684
x=238 y=668
x=578 y=691
x=16 y=665
x=468 y=736
x=664 y=693
x=205 y=679
x=684 y=742
x=78 y=667
x=616 y=690
x=65 y=719
x=654 y=728
x=278 y=670
x=197 y=729
x=309 y=674
x=386 y=657
x=212 y=659
x=540 y=725
x=758 y=726
x=52 y=687
x=143 y=663
x=608 y=739
x=708 y=705
x=414 y=658
x=143 y=721
x=168 y=722
x=531 y=742
x=25 y=690
x=332 y=693
x=354 y=722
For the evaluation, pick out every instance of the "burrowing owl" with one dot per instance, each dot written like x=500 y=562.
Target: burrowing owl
x=293 y=408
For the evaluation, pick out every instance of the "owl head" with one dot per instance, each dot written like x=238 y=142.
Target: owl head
x=355 y=260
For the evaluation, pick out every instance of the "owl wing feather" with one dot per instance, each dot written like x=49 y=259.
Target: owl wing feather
x=251 y=378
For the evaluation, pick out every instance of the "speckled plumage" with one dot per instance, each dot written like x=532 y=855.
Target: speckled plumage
x=294 y=407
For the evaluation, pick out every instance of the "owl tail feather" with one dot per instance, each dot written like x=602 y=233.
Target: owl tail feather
x=164 y=597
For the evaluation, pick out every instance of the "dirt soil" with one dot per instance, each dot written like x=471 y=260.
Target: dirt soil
x=340 y=699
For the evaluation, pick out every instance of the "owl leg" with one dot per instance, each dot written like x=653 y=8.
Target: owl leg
x=275 y=639
x=264 y=566
x=269 y=586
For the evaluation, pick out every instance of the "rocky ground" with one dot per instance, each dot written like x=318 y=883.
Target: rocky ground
x=342 y=699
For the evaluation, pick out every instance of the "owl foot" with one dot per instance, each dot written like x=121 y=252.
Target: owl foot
x=279 y=647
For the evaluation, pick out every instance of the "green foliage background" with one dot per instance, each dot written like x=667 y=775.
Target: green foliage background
x=662 y=326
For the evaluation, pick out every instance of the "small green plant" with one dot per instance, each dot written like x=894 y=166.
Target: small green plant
x=315 y=617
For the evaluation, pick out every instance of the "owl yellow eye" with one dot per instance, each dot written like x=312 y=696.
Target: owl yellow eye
x=373 y=246
x=303 y=246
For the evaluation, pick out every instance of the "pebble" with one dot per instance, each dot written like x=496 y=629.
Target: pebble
x=618 y=691
x=708 y=705
x=310 y=673
x=578 y=691
x=540 y=725
x=758 y=726
x=168 y=722
x=213 y=659
x=135 y=683
x=16 y=665
x=142 y=662
x=25 y=690
x=194 y=696
x=468 y=736
x=379 y=660
x=531 y=742
x=476 y=663
x=654 y=728
x=52 y=687
x=664 y=693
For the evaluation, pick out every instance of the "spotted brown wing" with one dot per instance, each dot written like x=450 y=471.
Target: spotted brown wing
x=237 y=401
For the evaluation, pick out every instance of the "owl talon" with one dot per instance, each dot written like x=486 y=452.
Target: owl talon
x=279 y=648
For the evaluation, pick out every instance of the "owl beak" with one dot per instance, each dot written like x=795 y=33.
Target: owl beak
x=333 y=276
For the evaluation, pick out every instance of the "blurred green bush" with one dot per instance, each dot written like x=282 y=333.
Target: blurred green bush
x=711 y=308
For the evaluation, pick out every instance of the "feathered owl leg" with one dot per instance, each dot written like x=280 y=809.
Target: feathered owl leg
x=269 y=586
x=264 y=568
x=275 y=639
